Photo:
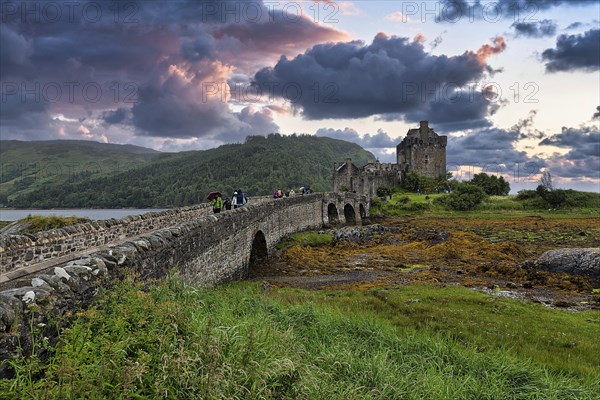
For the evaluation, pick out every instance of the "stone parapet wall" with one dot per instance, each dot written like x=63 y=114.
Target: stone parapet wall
x=17 y=251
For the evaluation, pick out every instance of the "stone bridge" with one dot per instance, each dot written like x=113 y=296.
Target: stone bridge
x=205 y=248
x=63 y=269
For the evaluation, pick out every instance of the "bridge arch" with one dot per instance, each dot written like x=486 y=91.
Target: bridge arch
x=349 y=214
x=259 y=252
x=332 y=214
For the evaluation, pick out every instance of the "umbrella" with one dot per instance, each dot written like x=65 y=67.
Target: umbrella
x=212 y=195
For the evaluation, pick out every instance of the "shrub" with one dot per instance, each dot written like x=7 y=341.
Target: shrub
x=555 y=198
x=384 y=191
x=415 y=206
x=465 y=197
x=403 y=200
x=526 y=195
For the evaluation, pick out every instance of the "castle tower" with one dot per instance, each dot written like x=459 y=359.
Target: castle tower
x=422 y=151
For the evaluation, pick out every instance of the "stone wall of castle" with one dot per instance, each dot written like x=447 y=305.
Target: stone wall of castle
x=423 y=151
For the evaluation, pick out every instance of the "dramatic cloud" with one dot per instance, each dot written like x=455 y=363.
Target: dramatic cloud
x=353 y=80
x=597 y=113
x=155 y=69
x=574 y=52
x=536 y=29
x=180 y=104
x=248 y=44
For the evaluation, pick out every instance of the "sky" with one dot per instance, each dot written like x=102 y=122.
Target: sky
x=514 y=84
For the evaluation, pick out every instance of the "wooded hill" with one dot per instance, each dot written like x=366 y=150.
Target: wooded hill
x=82 y=174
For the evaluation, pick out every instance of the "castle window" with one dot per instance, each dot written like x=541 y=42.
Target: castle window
x=426 y=159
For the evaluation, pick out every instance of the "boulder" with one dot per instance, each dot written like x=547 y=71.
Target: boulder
x=572 y=261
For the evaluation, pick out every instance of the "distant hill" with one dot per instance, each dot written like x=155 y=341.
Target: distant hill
x=36 y=165
x=155 y=179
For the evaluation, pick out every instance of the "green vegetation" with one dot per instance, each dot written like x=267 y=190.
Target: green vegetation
x=558 y=199
x=483 y=195
x=464 y=197
x=40 y=223
x=36 y=166
x=307 y=238
x=417 y=342
x=491 y=184
x=414 y=182
x=257 y=166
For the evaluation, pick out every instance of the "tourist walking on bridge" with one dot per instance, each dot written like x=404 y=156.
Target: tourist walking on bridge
x=217 y=203
x=239 y=199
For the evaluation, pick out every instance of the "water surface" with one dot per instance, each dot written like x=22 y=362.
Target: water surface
x=13 y=215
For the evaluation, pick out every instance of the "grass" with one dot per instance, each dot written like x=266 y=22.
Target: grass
x=495 y=207
x=44 y=223
x=306 y=238
x=171 y=341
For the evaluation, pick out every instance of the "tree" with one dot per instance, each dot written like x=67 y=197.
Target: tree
x=465 y=197
x=491 y=184
x=554 y=197
x=411 y=181
x=384 y=191
x=546 y=181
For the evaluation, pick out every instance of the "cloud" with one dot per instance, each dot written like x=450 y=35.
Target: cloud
x=597 y=113
x=180 y=104
x=582 y=161
x=466 y=10
x=456 y=110
x=574 y=52
x=380 y=140
x=117 y=116
x=16 y=50
x=493 y=150
x=249 y=44
x=354 y=80
x=574 y=25
x=536 y=29
x=157 y=67
x=583 y=141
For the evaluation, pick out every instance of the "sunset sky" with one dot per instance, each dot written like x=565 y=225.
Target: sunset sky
x=515 y=84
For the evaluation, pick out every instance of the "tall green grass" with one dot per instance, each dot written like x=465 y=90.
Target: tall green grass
x=237 y=342
x=411 y=204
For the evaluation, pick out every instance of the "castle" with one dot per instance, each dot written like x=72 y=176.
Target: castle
x=422 y=151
